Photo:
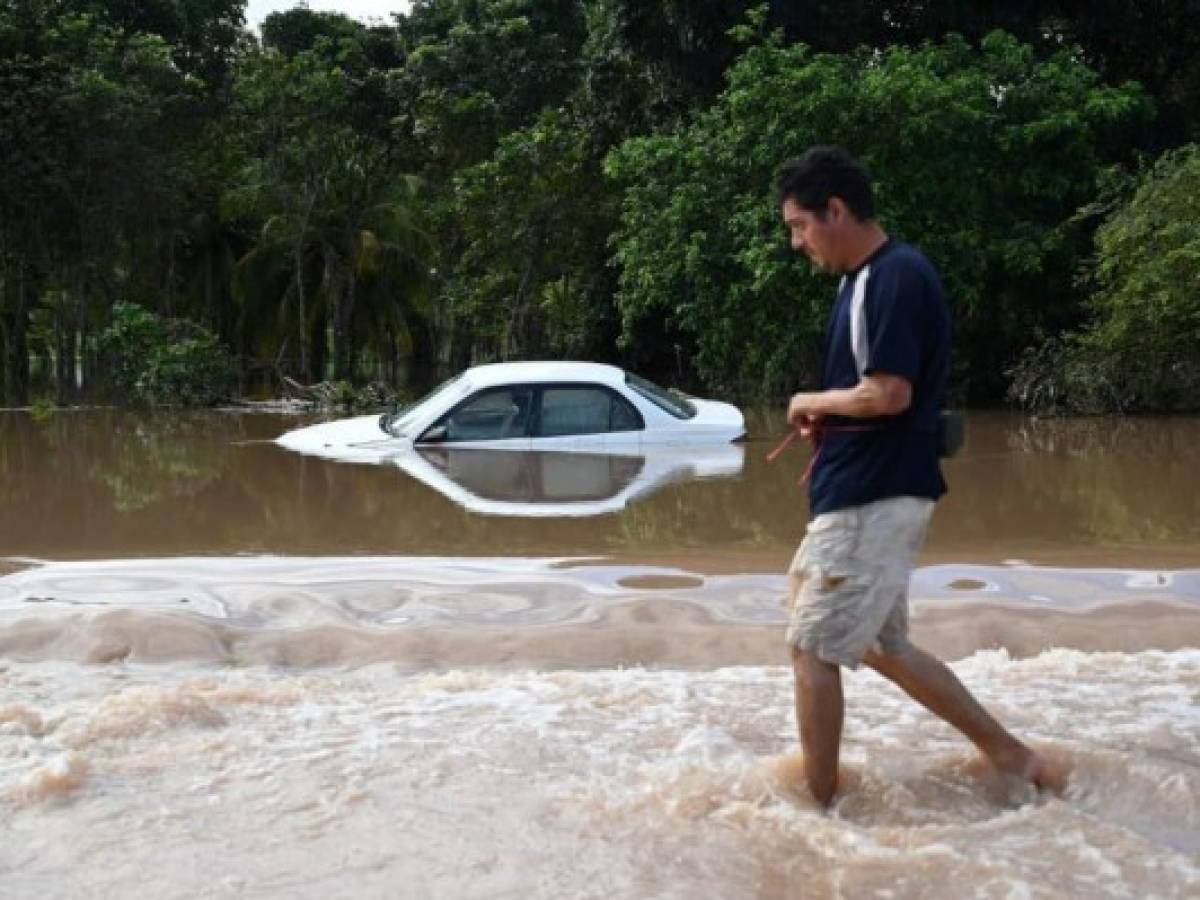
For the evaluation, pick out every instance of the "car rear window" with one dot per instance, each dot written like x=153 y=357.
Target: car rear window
x=668 y=401
x=583 y=409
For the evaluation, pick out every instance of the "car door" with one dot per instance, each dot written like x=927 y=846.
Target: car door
x=497 y=417
x=584 y=417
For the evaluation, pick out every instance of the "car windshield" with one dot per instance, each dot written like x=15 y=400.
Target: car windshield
x=403 y=417
x=668 y=401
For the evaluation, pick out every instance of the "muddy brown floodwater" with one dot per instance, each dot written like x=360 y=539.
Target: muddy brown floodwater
x=105 y=484
x=231 y=670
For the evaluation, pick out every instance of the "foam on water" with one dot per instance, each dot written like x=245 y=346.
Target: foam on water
x=490 y=737
x=614 y=783
x=54 y=779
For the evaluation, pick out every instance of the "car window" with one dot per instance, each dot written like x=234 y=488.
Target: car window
x=402 y=418
x=668 y=401
x=579 y=409
x=491 y=415
x=624 y=416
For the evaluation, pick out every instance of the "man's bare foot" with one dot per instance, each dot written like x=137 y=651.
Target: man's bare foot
x=1045 y=775
x=789 y=777
x=1034 y=768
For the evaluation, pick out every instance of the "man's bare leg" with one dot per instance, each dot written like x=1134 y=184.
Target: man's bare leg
x=931 y=683
x=819 y=712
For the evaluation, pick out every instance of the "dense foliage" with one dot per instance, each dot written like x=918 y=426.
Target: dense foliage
x=485 y=179
x=1140 y=348
x=982 y=156
x=164 y=362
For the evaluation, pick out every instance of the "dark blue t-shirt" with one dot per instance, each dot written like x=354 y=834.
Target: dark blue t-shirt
x=890 y=317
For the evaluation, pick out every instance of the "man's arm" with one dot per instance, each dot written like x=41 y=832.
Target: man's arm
x=877 y=394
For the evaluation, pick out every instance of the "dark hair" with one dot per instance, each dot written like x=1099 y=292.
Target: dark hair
x=825 y=172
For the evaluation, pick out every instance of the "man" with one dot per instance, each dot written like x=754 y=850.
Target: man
x=876 y=474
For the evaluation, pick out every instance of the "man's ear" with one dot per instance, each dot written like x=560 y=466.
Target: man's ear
x=836 y=210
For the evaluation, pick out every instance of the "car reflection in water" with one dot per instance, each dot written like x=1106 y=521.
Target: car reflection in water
x=548 y=484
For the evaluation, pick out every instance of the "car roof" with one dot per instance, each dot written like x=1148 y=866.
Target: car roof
x=526 y=372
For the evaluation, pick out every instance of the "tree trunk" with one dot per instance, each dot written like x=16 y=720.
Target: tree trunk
x=319 y=341
x=87 y=358
x=16 y=360
x=301 y=296
x=513 y=340
x=168 y=308
x=70 y=311
x=16 y=364
x=79 y=330
x=344 y=348
x=301 y=310
x=62 y=352
x=215 y=319
x=64 y=361
x=422 y=371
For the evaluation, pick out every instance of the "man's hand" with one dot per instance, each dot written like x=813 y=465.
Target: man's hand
x=804 y=414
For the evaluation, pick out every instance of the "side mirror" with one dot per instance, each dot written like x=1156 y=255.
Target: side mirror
x=434 y=435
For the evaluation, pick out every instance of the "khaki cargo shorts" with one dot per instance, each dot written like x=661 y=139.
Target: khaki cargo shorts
x=848 y=583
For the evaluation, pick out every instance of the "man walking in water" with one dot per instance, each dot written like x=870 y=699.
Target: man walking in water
x=876 y=475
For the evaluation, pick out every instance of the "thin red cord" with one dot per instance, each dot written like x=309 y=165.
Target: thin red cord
x=816 y=437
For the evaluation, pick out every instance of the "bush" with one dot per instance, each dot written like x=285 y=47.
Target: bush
x=1062 y=376
x=1146 y=306
x=165 y=362
x=1141 y=349
x=42 y=409
x=344 y=396
x=128 y=343
x=1073 y=376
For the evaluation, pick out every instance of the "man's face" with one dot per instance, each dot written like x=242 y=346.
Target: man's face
x=817 y=235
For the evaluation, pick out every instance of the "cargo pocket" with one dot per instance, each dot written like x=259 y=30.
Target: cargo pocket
x=830 y=547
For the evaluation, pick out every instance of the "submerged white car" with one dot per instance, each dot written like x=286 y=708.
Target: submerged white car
x=565 y=406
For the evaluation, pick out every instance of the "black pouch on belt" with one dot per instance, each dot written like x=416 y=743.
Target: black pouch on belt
x=952 y=432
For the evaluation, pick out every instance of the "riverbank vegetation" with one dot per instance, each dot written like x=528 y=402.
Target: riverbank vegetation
x=190 y=210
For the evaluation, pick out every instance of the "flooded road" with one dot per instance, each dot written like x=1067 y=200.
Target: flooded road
x=107 y=484
x=172 y=782
x=231 y=670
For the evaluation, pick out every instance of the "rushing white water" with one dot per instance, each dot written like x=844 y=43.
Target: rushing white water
x=385 y=727
x=183 y=781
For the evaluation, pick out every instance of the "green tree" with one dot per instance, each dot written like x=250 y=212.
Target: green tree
x=87 y=128
x=474 y=71
x=1148 y=262
x=535 y=218
x=981 y=156
x=389 y=303
x=203 y=35
x=300 y=28
x=477 y=69
x=323 y=174
x=291 y=113
x=1140 y=350
x=1153 y=42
